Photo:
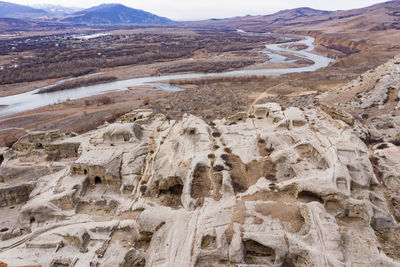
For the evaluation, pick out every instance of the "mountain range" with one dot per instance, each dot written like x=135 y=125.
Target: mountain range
x=377 y=17
x=57 y=10
x=11 y=10
x=113 y=14
x=105 y=14
x=382 y=16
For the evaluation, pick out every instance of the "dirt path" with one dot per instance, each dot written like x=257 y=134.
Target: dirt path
x=264 y=94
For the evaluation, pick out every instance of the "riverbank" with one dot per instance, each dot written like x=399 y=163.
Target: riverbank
x=30 y=100
x=77 y=83
x=79 y=115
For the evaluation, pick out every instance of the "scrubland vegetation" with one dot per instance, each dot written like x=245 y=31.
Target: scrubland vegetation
x=57 y=57
x=213 y=80
x=77 y=83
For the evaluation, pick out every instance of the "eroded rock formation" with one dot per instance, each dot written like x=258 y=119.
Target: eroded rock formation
x=279 y=187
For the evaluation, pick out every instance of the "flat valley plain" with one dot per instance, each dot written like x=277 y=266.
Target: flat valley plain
x=33 y=59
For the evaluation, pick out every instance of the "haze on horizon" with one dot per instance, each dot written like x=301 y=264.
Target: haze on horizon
x=206 y=9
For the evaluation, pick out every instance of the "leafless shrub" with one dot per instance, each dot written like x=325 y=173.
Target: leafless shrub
x=104 y=100
x=206 y=67
x=115 y=114
x=88 y=125
x=72 y=59
x=205 y=81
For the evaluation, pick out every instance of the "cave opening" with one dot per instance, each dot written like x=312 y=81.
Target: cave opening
x=309 y=196
x=97 y=180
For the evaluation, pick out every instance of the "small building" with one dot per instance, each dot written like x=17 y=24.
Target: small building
x=36 y=140
x=62 y=149
x=101 y=164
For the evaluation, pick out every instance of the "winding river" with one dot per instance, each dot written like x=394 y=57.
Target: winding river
x=30 y=100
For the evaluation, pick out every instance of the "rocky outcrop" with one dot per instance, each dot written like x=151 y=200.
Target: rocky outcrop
x=370 y=89
x=36 y=140
x=379 y=94
x=387 y=127
x=343 y=45
x=14 y=195
x=369 y=104
x=274 y=187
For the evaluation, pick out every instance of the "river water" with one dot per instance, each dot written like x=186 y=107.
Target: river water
x=30 y=100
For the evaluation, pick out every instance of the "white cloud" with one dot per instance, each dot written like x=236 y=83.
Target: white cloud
x=204 y=9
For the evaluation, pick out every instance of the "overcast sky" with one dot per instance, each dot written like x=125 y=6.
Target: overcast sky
x=204 y=9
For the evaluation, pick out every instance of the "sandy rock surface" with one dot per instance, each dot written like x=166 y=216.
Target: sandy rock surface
x=276 y=187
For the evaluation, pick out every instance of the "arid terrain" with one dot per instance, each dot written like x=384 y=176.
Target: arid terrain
x=293 y=169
